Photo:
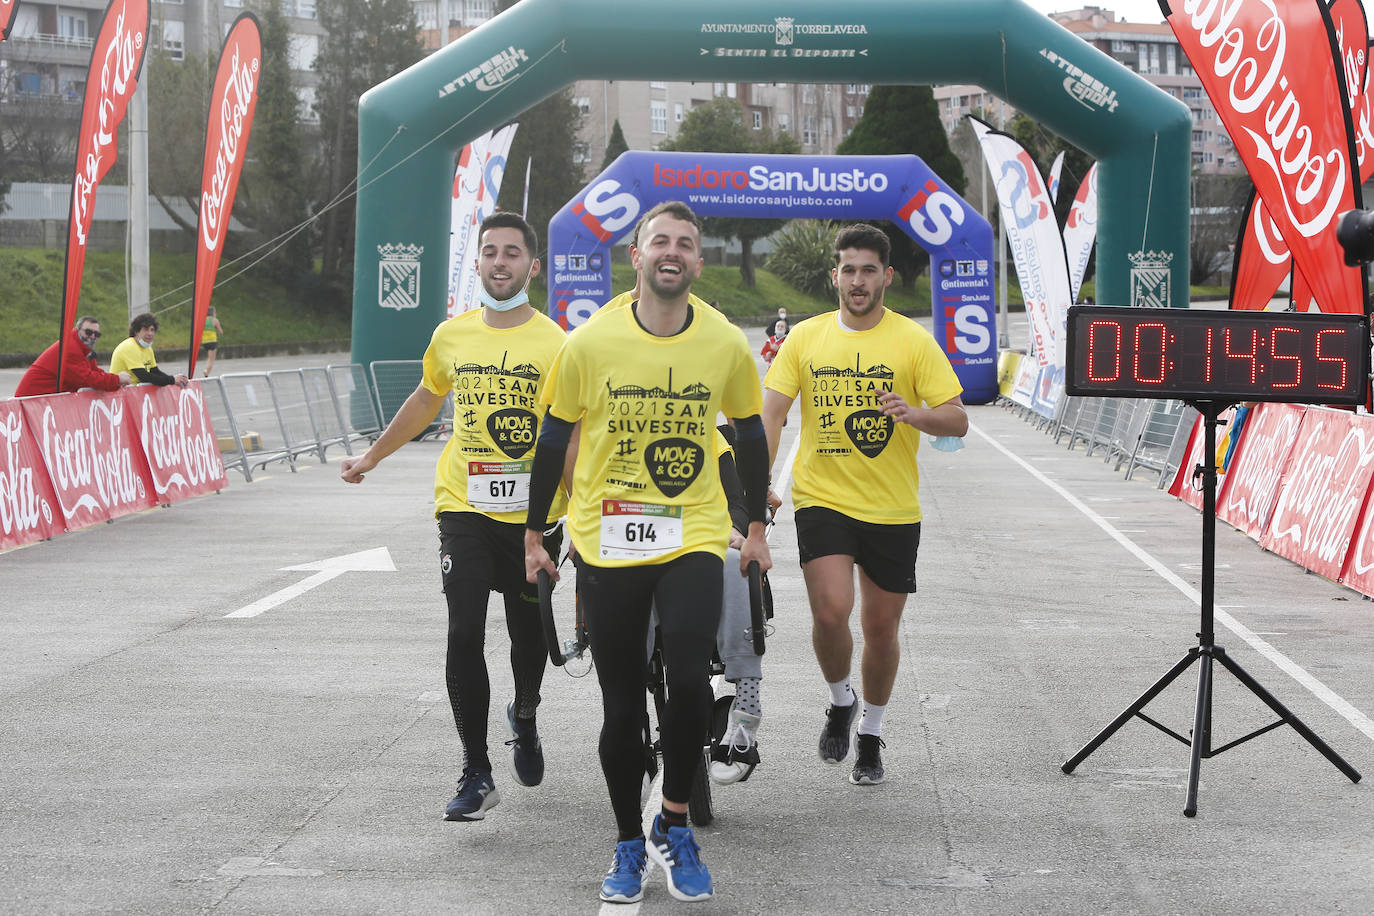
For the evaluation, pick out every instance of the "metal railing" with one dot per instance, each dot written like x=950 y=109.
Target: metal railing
x=262 y=417
x=1132 y=433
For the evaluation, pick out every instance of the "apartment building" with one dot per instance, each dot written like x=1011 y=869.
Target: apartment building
x=1150 y=50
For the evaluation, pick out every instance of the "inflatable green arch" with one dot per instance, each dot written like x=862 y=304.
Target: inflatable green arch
x=411 y=126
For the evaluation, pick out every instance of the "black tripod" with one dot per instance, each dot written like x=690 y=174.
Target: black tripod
x=1206 y=650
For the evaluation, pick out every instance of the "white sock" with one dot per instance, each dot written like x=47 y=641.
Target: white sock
x=841 y=694
x=872 y=721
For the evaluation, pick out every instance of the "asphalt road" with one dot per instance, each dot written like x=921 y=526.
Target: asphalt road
x=159 y=756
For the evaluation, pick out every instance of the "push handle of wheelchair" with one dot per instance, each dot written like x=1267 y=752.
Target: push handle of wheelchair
x=756 y=610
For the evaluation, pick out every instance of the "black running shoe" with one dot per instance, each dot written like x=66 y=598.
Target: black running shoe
x=476 y=796
x=868 y=760
x=839 y=720
x=527 y=753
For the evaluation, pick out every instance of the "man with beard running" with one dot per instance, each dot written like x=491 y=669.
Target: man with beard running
x=495 y=360
x=862 y=373
x=649 y=520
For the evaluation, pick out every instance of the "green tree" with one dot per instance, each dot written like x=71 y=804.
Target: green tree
x=545 y=139
x=905 y=120
x=718 y=127
x=178 y=106
x=363 y=43
x=272 y=193
x=615 y=147
x=803 y=255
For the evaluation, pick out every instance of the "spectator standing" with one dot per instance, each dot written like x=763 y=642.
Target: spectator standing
x=135 y=355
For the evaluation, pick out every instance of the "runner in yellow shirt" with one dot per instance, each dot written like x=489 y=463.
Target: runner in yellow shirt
x=861 y=373
x=495 y=361
x=649 y=520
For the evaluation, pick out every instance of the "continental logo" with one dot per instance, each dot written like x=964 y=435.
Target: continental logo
x=501 y=69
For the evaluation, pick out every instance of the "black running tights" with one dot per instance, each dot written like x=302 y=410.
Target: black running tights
x=465 y=671
x=687 y=594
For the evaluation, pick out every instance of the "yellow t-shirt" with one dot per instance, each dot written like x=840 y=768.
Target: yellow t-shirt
x=129 y=355
x=628 y=296
x=853 y=459
x=496 y=376
x=646 y=488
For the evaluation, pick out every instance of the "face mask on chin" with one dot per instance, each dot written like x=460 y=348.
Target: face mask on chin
x=145 y=344
x=505 y=305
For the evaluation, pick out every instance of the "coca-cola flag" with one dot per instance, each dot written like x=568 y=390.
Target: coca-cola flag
x=90 y=447
x=1246 y=498
x=28 y=506
x=1323 y=490
x=116 y=60
x=7 y=11
x=178 y=440
x=1262 y=259
x=233 y=100
x=1275 y=78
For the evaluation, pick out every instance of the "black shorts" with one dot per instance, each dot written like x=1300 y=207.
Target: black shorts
x=210 y=345
x=886 y=553
x=473 y=546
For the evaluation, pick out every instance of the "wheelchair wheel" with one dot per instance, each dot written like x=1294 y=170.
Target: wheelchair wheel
x=699 y=802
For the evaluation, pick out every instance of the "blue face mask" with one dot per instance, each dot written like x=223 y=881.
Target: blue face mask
x=145 y=344
x=505 y=305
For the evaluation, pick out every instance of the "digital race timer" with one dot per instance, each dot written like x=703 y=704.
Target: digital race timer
x=1217 y=355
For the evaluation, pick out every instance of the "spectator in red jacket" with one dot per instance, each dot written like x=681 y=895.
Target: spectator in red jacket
x=79 y=365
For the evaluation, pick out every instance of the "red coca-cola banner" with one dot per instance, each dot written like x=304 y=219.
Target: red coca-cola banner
x=1323 y=491
x=90 y=448
x=178 y=441
x=7 y=11
x=28 y=506
x=1272 y=74
x=1262 y=259
x=115 y=62
x=1251 y=488
x=232 y=103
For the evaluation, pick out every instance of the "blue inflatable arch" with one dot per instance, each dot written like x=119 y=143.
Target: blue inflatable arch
x=411 y=125
x=902 y=189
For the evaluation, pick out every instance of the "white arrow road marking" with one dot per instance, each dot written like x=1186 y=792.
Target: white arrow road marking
x=375 y=560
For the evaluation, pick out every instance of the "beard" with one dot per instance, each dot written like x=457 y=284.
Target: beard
x=668 y=287
x=865 y=308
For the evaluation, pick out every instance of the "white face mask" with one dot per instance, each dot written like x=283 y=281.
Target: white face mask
x=505 y=305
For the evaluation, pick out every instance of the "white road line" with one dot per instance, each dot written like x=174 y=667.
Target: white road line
x=1322 y=692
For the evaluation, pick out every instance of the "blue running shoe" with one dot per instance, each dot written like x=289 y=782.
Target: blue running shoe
x=677 y=853
x=476 y=796
x=625 y=880
x=527 y=753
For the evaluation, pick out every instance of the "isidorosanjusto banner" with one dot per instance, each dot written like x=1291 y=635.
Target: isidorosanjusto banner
x=1033 y=236
x=233 y=101
x=902 y=189
x=116 y=58
x=1080 y=230
x=476 y=188
x=1273 y=74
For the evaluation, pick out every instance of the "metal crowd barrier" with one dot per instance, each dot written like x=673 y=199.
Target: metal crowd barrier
x=1132 y=433
x=262 y=417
